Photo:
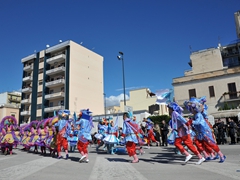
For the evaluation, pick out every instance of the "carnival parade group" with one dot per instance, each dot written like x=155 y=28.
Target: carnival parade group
x=55 y=134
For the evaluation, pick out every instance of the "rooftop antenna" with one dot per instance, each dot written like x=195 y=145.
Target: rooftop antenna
x=190 y=48
x=219 y=44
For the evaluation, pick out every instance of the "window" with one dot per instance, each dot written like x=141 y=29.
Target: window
x=40 y=82
x=39 y=94
x=232 y=90
x=51 y=104
x=51 y=91
x=40 y=71
x=192 y=93
x=39 y=106
x=211 y=91
x=13 y=115
x=41 y=60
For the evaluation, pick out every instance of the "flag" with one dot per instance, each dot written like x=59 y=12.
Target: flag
x=164 y=96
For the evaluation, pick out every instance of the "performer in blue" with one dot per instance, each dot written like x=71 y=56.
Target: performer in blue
x=84 y=134
x=102 y=132
x=203 y=131
x=111 y=139
x=181 y=133
x=130 y=131
x=63 y=128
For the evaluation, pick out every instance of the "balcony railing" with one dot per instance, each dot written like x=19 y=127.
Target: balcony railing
x=28 y=68
x=54 y=108
x=25 y=113
x=14 y=99
x=55 y=95
x=25 y=90
x=55 y=70
x=57 y=58
x=55 y=83
x=231 y=96
x=27 y=78
x=26 y=101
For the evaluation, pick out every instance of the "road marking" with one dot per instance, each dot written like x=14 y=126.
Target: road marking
x=23 y=170
x=225 y=169
x=104 y=169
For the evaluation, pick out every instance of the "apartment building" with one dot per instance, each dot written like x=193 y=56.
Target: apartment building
x=64 y=76
x=10 y=104
x=215 y=74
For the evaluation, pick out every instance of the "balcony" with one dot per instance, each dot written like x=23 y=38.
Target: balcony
x=55 y=83
x=14 y=99
x=231 y=96
x=55 y=95
x=33 y=56
x=54 y=108
x=26 y=90
x=26 y=101
x=27 y=78
x=57 y=58
x=25 y=113
x=28 y=68
x=56 y=70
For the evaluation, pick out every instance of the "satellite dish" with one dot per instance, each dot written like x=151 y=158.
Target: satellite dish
x=47 y=46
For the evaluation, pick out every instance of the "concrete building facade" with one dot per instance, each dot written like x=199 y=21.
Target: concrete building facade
x=64 y=76
x=140 y=100
x=10 y=104
x=215 y=74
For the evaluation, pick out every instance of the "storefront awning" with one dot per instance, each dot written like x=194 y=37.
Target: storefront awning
x=226 y=113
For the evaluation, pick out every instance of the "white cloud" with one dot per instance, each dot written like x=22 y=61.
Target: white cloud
x=115 y=100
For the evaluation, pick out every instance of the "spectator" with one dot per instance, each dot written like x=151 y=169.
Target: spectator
x=164 y=133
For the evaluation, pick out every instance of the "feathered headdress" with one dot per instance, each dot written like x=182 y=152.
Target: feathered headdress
x=194 y=105
x=8 y=120
x=175 y=107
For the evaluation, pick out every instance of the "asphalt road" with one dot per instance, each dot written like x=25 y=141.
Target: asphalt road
x=157 y=163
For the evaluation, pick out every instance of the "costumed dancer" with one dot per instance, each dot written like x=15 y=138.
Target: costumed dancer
x=201 y=127
x=130 y=135
x=111 y=139
x=84 y=134
x=51 y=140
x=42 y=133
x=33 y=136
x=102 y=132
x=150 y=133
x=63 y=128
x=9 y=139
x=181 y=133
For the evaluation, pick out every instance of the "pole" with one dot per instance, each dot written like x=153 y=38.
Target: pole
x=123 y=82
x=104 y=104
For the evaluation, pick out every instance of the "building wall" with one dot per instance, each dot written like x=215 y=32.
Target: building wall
x=3 y=98
x=220 y=85
x=86 y=80
x=139 y=100
x=206 y=61
x=7 y=111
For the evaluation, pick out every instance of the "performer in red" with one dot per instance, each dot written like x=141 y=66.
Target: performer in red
x=84 y=134
x=130 y=130
x=63 y=128
x=150 y=133
x=180 y=129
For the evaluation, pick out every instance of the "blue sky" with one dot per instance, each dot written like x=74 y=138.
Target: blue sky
x=154 y=36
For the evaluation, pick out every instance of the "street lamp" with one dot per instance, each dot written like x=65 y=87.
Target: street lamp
x=120 y=57
x=105 y=109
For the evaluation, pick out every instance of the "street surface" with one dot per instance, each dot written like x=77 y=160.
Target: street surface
x=157 y=163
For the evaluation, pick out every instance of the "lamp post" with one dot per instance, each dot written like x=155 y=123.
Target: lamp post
x=120 y=57
x=104 y=104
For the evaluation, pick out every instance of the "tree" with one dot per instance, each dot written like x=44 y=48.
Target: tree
x=158 y=119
